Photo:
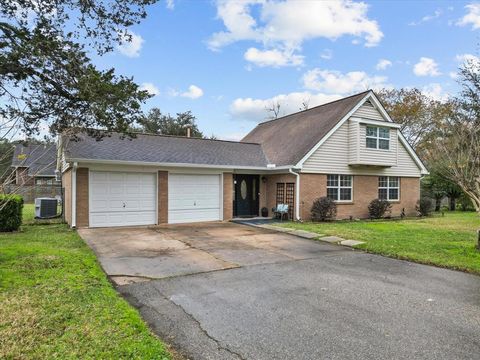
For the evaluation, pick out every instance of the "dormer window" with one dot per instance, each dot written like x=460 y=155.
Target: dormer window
x=378 y=138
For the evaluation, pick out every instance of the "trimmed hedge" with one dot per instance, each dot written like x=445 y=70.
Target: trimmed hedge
x=11 y=207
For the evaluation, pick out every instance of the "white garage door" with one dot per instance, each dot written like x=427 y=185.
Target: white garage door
x=122 y=198
x=193 y=198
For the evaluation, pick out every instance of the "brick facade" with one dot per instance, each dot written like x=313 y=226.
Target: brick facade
x=365 y=189
x=269 y=198
x=163 y=197
x=227 y=196
x=82 y=197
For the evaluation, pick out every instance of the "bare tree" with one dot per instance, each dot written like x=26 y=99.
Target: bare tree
x=455 y=151
x=273 y=110
x=305 y=104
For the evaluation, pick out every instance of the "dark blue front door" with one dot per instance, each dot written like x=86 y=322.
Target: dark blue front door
x=246 y=195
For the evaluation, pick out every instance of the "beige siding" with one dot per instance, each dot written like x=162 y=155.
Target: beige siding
x=375 y=156
x=368 y=112
x=332 y=157
x=67 y=196
x=353 y=141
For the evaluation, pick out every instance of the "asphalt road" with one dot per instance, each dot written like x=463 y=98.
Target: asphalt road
x=336 y=304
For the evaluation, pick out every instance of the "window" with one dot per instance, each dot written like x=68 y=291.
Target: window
x=388 y=188
x=378 y=138
x=339 y=187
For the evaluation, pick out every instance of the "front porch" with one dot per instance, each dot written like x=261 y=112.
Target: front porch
x=253 y=192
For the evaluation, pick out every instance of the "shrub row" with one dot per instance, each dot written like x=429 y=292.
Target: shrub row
x=11 y=207
x=325 y=208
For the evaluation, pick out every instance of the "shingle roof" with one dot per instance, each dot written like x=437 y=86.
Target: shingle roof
x=285 y=141
x=167 y=149
x=40 y=159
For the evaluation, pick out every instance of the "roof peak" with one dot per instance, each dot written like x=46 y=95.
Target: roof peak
x=316 y=107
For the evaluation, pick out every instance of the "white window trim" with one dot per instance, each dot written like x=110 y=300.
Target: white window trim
x=377 y=137
x=388 y=187
x=338 y=187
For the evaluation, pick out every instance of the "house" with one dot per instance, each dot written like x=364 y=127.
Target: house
x=34 y=164
x=349 y=150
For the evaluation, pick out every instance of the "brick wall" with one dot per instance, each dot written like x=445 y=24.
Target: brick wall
x=67 y=196
x=227 y=196
x=365 y=189
x=312 y=186
x=163 y=197
x=270 y=187
x=82 y=197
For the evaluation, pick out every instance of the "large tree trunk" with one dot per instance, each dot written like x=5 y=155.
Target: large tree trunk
x=453 y=203
x=438 y=203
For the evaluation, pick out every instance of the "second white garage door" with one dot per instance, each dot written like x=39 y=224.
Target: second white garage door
x=193 y=198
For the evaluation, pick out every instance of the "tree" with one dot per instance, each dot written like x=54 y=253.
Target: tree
x=157 y=123
x=456 y=147
x=273 y=110
x=436 y=186
x=418 y=114
x=46 y=75
x=6 y=153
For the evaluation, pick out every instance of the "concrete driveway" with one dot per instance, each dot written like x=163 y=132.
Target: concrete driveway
x=228 y=291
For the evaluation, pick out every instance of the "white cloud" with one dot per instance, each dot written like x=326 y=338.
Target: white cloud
x=467 y=58
x=426 y=67
x=275 y=58
x=170 y=4
x=472 y=17
x=453 y=75
x=427 y=18
x=383 y=64
x=335 y=82
x=327 y=54
x=151 y=88
x=254 y=109
x=435 y=91
x=285 y=25
x=235 y=136
x=131 y=48
x=193 y=92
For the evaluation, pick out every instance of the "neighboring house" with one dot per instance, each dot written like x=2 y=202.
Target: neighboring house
x=349 y=150
x=34 y=164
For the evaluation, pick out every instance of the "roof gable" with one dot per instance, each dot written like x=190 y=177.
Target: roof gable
x=40 y=159
x=287 y=140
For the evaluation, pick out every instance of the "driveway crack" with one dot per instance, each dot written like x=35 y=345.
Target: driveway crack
x=204 y=331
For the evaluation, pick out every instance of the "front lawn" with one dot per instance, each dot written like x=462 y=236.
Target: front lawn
x=447 y=241
x=56 y=302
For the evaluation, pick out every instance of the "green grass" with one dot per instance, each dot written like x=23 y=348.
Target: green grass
x=447 y=241
x=56 y=302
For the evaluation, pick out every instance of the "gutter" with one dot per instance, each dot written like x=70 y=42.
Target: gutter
x=297 y=193
x=184 y=165
x=74 y=195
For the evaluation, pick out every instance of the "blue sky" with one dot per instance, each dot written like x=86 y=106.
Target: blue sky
x=226 y=60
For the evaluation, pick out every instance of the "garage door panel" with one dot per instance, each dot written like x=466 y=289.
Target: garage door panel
x=122 y=199
x=193 y=198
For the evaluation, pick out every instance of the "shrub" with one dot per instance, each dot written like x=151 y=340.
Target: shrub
x=323 y=209
x=378 y=207
x=424 y=206
x=10 y=212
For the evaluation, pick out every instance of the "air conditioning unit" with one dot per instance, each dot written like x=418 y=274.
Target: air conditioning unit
x=45 y=208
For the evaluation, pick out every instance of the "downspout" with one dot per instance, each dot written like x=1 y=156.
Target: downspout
x=74 y=195
x=297 y=193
